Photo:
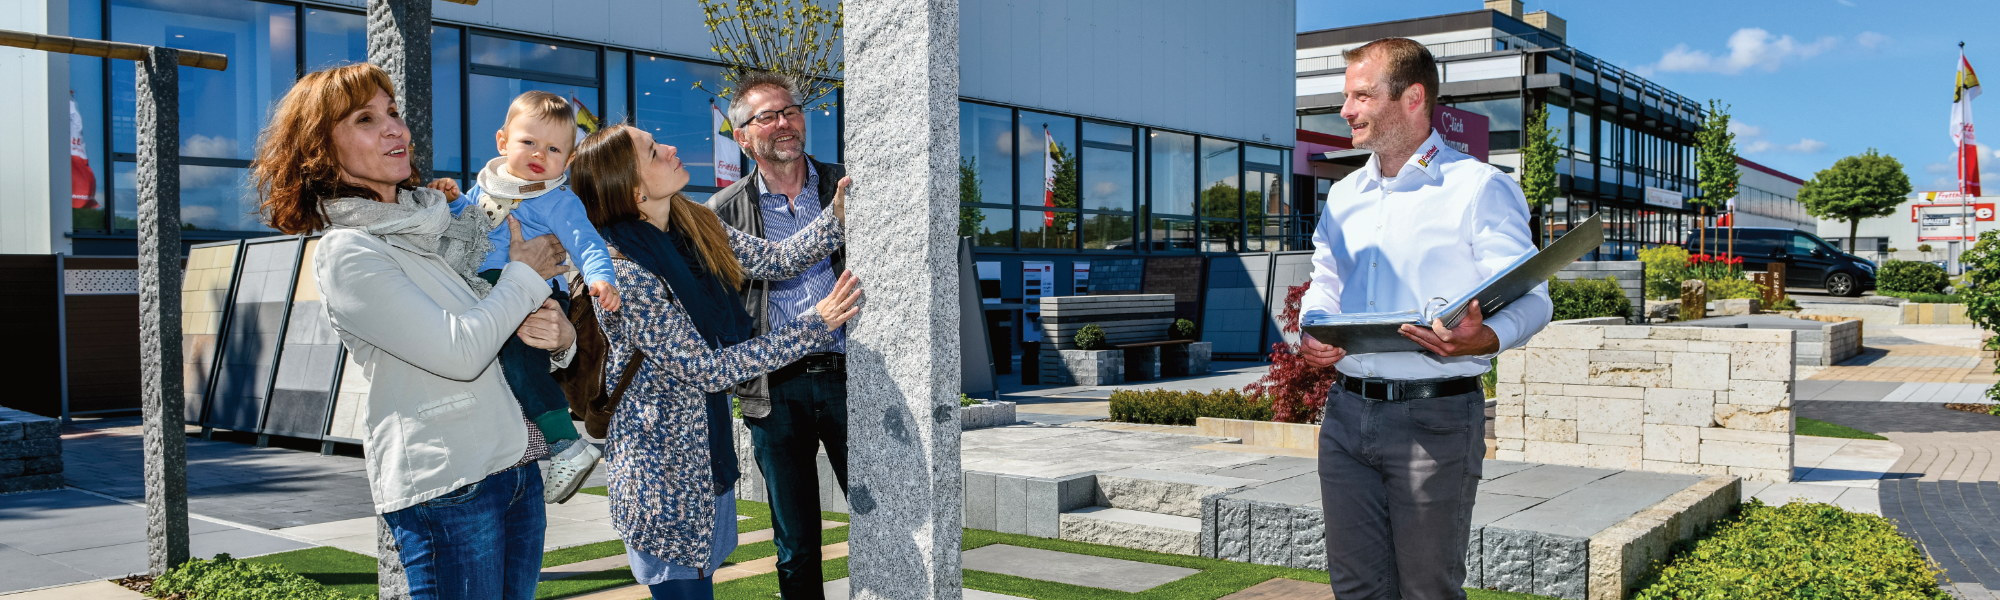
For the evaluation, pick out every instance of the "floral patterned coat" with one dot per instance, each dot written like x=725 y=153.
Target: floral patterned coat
x=662 y=496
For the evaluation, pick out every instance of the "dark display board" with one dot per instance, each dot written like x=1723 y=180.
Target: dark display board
x=252 y=338
x=205 y=294
x=302 y=399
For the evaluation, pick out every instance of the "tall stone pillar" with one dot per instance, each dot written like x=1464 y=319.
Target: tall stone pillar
x=159 y=174
x=901 y=101
x=399 y=41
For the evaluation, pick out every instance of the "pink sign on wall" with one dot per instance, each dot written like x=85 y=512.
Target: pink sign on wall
x=1462 y=130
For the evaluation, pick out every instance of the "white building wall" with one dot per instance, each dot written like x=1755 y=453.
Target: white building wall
x=34 y=137
x=1215 y=68
x=1900 y=230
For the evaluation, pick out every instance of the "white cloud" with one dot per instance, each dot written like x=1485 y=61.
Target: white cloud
x=1846 y=2
x=212 y=147
x=1871 y=40
x=1806 y=146
x=1750 y=140
x=1749 y=47
x=1742 y=129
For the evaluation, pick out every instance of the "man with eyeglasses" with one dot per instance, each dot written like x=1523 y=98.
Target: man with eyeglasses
x=796 y=409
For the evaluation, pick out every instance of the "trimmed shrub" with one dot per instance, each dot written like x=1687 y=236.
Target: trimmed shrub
x=1729 y=289
x=1091 y=337
x=1799 y=550
x=1588 y=298
x=1164 y=407
x=225 y=578
x=1182 y=329
x=1666 y=266
x=1925 y=298
x=1784 y=303
x=1911 y=276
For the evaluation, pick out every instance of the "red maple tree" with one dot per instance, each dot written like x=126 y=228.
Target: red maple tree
x=1297 y=390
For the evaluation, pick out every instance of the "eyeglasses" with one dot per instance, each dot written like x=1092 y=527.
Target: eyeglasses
x=793 y=113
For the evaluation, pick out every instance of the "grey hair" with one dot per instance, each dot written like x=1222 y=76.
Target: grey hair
x=739 y=111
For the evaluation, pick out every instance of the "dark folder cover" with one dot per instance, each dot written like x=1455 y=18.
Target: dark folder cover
x=1370 y=333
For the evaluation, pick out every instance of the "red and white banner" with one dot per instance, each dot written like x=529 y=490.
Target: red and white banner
x=82 y=182
x=1962 y=93
x=1048 y=176
x=728 y=155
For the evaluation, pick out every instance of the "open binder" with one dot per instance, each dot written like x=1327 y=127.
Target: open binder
x=1374 y=332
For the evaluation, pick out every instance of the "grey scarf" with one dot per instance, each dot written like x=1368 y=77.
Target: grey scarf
x=421 y=220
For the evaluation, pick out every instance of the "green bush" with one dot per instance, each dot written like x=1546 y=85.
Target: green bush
x=226 y=578
x=1666 y=266
x=965 y=400
x=1911 y=276
x=1925 y=298
x=1182 y=329
x=1728 y=289
x=1588 y=298
x=1165 y=407
x=1784 y=303
x=1091 y=337
x=1799 y=550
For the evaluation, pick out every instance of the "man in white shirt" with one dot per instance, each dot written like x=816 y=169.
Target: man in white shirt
x=1404 y=433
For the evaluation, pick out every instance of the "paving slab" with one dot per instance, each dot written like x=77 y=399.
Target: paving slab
x=1271 y=469
x=1284 y=589
x=1073 y=569
x=838 y=588
x=1544 y=481
x=1488 y=507
x=1301 y=490
x=112 y=562
x=1597 y=505
x=23 y=571
x=96 y=589
x=1856 y=391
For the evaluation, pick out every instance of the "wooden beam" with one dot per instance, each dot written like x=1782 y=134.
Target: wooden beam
x=119 y=50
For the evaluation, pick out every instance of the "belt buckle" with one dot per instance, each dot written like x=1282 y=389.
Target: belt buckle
x=1377 y=389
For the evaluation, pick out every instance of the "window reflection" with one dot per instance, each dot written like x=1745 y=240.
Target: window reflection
x=86 y=83
x=985 y=154
x=1503 y=123
x=1108 y=167
x=1108 y=232
x=1048 y=229
x=212 y=199
x=1172 y=172
x=533 y=56
x=1221 y=196
x=221 y=111
x=447 y=130
x=989 y=227
x=1048 y=143
x=335 y=38
x=490 y=98
x=678 y=115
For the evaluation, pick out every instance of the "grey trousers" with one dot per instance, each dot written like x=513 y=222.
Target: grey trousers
x=1397 y=481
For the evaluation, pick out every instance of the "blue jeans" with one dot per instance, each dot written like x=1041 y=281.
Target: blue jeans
x=480 y=541
x=807 y=409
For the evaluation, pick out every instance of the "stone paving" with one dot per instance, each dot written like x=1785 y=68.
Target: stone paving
x=68 y=536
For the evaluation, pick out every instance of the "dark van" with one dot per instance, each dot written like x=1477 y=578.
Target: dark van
x=1809 y=261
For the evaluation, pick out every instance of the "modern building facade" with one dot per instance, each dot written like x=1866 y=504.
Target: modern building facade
x=1928 y=226
x=1627 y=143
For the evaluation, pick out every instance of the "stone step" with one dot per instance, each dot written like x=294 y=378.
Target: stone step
x=1165 y=492
x=1139 y=530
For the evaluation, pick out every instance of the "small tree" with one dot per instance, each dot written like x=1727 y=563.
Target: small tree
x=1538 y=170
x=969 y=215
x=795 y=38
x=1866 y=185
x=1297 y=390
x=1715 y=163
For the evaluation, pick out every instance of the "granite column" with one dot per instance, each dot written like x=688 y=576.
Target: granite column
x=161 y=402
x=901 y=101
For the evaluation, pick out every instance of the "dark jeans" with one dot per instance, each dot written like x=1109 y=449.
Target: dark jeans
x=1397 y=481
x=807 y=409
x=526 y=369
x=684 y=589
x=480 y=541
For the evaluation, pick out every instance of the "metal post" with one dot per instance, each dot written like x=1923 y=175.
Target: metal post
x=159 y=179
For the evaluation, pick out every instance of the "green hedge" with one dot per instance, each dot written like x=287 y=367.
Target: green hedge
x=1729 y=289
x=1924 y=298
x=1588 y=298
x=1164 y=407
x=1912 y=276
x=225 y=578
x=1666 y=266
x=1090 y=337
x=1799 y=550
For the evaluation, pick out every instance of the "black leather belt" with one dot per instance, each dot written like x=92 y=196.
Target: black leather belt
x=1398 y=390
x=821 y=362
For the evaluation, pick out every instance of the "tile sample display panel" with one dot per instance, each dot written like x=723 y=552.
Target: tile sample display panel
x=211 y=273
x=252 y=339
x=301 y=401
x=349 y=402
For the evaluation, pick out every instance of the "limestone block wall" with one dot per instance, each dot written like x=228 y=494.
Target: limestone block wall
x=1631 y=276
x=1706 y=401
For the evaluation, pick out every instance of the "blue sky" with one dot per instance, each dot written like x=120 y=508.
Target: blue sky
x=1810 y=81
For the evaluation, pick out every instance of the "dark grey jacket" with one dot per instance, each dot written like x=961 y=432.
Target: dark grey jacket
x=738 y=207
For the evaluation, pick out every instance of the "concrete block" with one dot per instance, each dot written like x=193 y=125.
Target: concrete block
x=1132 y=529
x=1777 y=438
x=12 y=431
x=1645 y=375
x=1610 y=439
x=1672 y=406
x=1683 y=468
x=1615 y=456
x=1672 y=443
x=1010 y=504
x=1505 y=454
x=1653 y=345
x=1603 y=391
x=1507 y=559
x=1626 y=356
x=1721 y=334
x=1701 y=371
x=1165 y=492
x=1754 y=418
x=1545 y=389
x=1676 y=333
x=30 y=448
x=979 y=500
x=1049 y=498
x=1287 y=536
x=1627 y=332
x=1554 y=365
x=1610 y=415
x=1510 y=366
x=1515 y=444
x=1761 y=361
x=1232 y=531
x=1562 y=566
x=14 y=467
x=1764 y=475
x=1542 y=481
x=1509 y=409
x=1474 y=552
x=1142 y=363
x=30 y=483
x=1744 y=454
x=1737 y=306
x=1550 y=430
x=1551 y=407
x=1760 y=393
x=44 y=465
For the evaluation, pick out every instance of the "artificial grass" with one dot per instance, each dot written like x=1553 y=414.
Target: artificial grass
x=346 y=573
x=1817 y=428
x=601 y=490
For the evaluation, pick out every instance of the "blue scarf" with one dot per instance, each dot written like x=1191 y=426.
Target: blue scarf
x=716 y=310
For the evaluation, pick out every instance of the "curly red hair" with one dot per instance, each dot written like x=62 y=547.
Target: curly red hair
x=296 y=167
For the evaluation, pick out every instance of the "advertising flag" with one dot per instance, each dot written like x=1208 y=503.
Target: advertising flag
x=1048 y=176
x=1962 y=94
x=728 y=155
x=82 y=182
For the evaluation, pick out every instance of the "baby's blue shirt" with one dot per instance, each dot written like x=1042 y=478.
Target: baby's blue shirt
x=559 y=212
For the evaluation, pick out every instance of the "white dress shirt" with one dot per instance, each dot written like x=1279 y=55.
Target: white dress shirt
x=1444 y=224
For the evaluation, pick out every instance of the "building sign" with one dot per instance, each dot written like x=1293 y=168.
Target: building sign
x=1665 y=198
x=1462 y=130
x=1038 y=280
x=1082 y=277
x=1947 y=222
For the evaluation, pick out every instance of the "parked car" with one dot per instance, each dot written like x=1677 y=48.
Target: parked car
x=1810 y=262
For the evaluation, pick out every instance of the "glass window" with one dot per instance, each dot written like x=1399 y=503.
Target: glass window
x=490 y=98
x=677 y=114
x=335 y=38
x=1108 y=168
x=1108 y=232
x=1255 y=156
x=86 y=84
x=1172 y=172
x=212 y=199
x=533 y=56
x=1221 y=195
x=1048 y=229
x=1048 y=164
x=1329 y=123
x=221 y=111
x=985 y=155
x=989 y=227
x=615 y=89
x=447 y=123
x=1503 y=120
x=823 y=129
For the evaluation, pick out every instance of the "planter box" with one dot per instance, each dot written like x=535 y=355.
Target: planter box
x=986 y=414
x=1083 y=367
x=1934 y=314
x=1296 y=436
x=1185 y=360
x=30 y=452
x=1142 y=363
